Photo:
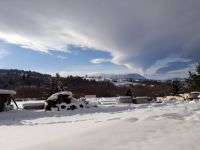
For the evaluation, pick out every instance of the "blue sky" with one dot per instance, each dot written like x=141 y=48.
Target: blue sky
x=76 y=37
x=77 y=61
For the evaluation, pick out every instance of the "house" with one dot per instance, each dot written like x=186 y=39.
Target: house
x=6 y=96
x=141 y=100
x=124 y=99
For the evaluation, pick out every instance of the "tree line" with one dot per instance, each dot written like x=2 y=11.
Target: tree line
x=32 y=84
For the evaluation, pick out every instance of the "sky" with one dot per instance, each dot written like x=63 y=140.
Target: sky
x=155 y=38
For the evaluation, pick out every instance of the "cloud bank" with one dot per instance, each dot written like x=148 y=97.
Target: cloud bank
x=137 y=33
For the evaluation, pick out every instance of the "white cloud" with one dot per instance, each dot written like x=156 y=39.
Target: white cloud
x=61 y=57
x=3 y=53
x=163 y=63
x=99 y=60
x=180 y=73
x=136 y=33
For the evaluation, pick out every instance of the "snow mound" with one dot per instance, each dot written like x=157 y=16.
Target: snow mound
x=55 y=96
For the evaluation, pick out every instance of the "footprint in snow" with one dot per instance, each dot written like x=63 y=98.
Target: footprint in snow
x=133 y=119
x=97 y=121
x=173 y=116
x=111 y=119
x=79 y=120
x=83 y=120
x=58 y=122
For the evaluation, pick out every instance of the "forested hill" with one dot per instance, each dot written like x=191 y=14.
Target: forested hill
x=30 y=84
x=22 y=78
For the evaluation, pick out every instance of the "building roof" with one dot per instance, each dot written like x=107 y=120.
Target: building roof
x=10 y=92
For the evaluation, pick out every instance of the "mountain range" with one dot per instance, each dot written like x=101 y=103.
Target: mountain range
x=133 y=76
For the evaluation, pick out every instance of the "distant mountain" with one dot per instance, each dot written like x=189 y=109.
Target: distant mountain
x=133 y=76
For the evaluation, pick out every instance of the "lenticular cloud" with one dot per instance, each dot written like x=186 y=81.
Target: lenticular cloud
x=137 y=33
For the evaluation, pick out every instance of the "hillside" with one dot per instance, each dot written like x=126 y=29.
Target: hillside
x=30 y=84
x=14 y=77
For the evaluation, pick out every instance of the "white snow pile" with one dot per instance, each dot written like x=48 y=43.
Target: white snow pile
x=55 y=96
x=107 y=101
x=21 y=104
x=156 y=126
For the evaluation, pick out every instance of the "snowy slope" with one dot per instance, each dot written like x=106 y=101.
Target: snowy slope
x=166 y=126
x=133 y=76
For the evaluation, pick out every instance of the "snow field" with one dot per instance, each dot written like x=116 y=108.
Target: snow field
x=166 y=126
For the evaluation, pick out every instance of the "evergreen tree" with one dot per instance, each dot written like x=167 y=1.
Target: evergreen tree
x=10 y=82
x=129 y=93
x=176 y=87
x=194 y=79
x=55 y=85
x=59 y=85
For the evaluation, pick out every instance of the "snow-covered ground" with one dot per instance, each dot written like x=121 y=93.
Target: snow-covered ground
x=166 y=126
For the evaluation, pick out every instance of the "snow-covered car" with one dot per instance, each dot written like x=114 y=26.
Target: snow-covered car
x=64 y=101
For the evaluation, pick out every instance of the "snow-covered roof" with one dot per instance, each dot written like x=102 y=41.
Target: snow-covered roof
x=124 y=97
x=55 y=96
x=11 y=92
x=90 y=96
x=142 y=97
x=195 y=92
